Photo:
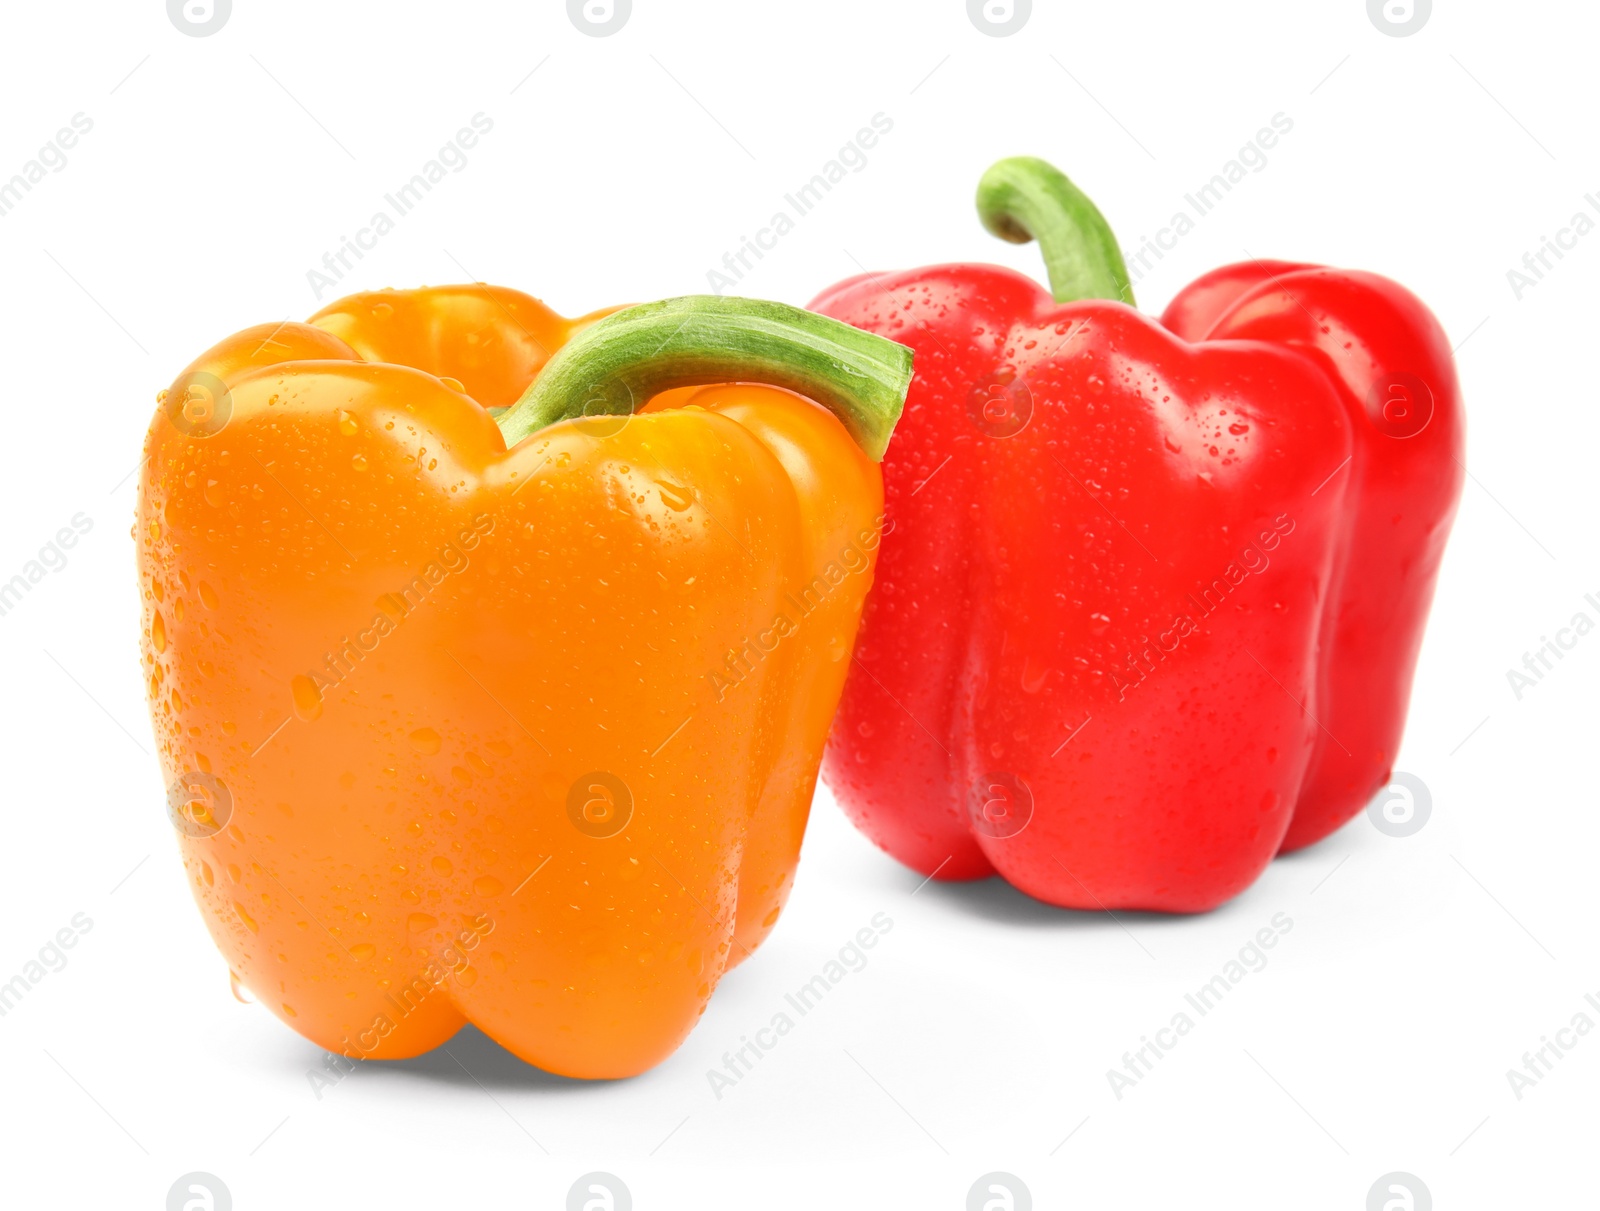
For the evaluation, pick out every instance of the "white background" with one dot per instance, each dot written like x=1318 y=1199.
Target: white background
x=220 y=169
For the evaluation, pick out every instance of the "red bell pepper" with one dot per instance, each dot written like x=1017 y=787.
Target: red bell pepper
x=1151 y=594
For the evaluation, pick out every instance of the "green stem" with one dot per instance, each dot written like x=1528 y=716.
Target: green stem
x=1022 y=199
x=614 y=366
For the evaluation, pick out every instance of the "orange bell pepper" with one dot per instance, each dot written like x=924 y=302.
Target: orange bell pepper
x=481 y=698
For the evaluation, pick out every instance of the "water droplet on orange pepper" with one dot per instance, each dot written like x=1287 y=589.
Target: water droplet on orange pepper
x=307 y=697
x=675 y=497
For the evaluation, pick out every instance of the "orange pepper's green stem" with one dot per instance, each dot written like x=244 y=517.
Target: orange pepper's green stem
x=1023 y=198
x=614 y=366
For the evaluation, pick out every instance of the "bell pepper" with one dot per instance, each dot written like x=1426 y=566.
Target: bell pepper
x=1152 y=595
x=483 y=699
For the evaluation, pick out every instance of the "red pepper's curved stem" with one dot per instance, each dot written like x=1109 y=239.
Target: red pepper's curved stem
x=614 y=366
x=1022 y=199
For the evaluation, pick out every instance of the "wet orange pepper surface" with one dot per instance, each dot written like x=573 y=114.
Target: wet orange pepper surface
x=524 y=737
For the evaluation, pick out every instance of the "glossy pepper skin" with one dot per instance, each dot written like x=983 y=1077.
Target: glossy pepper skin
x=1393 y=367
x=1121 y=592
x=460 y=732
